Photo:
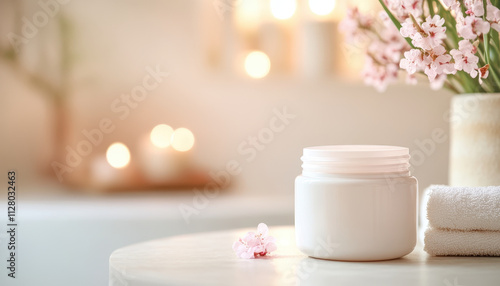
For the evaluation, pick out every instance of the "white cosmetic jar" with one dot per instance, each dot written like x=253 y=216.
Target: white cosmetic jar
x=356 y=203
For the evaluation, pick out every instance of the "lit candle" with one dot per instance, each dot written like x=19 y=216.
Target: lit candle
x=182 y=139
x=257 y=64
x=248 y=15
x=164 y=152
x=317 y=39
x=111 y=169
x=274 y=39
x=283 y=9
x=321 y=7
x=276 y=32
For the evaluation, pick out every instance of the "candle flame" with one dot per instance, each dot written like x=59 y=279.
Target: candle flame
x=257 y=64
x=161 y=135
x=283 y=9
x=182 y=139
x=118 y=155
x=321 y=7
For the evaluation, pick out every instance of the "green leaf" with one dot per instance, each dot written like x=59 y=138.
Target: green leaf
x=486 y=42
x=431 y=8
x=486 y=38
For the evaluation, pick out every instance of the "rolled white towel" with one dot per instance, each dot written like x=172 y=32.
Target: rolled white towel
x=423 y=222
x=464 y=208
x=462 y=243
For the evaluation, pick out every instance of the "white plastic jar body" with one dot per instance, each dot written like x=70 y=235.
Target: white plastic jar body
x=356 y=217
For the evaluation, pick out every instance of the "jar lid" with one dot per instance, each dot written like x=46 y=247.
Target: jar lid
x=356 y=159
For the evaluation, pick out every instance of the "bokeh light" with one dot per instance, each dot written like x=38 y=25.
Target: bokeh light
x=118 y=155
x=160 y=135
x=257 y=64
x=248 y=14
x=283 y=9
x=182 y=139
x=321 y=7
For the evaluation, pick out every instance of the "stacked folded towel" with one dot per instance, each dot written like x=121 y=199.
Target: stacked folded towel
x=463 y=221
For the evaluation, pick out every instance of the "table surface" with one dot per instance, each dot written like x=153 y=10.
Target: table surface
x=208 y=259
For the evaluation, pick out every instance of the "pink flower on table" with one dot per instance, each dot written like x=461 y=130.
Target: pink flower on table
x=245 y=247
x=470 y=27
x=465 y=59
x=256 y=244
x=437 y=62
x=493 y=16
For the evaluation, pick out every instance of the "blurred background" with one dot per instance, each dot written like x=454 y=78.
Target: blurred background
x=133 y=120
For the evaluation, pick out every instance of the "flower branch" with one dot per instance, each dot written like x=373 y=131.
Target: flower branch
x=454 y=43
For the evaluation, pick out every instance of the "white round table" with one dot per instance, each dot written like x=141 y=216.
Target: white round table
x=208 y=259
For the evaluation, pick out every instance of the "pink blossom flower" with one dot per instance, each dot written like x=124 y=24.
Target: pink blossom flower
x=454 y=5
x=355 y=24
x=437 y=62
x=435 y=31
x=483 y=73
x=388 y=51
x=493 y=15
x=450 y=3
x=390 y=34
x=431 y=33
x=383 y=56
x=253 y=244
x=412 y=62
x=465 y=59
x=408 y=29
x=470 y=27
x=384 y=50
x=427 y=35
x=474 y=7
x=379 y=75
x=403 y=8
x=411 y=79
x=437 y=82
x=413 y=7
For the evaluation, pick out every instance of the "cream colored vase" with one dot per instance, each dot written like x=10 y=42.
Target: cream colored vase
x=475 y=140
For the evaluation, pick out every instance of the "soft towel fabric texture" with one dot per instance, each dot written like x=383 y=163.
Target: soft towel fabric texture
x=461 y=221
x=464 y=208
x=462 y=243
